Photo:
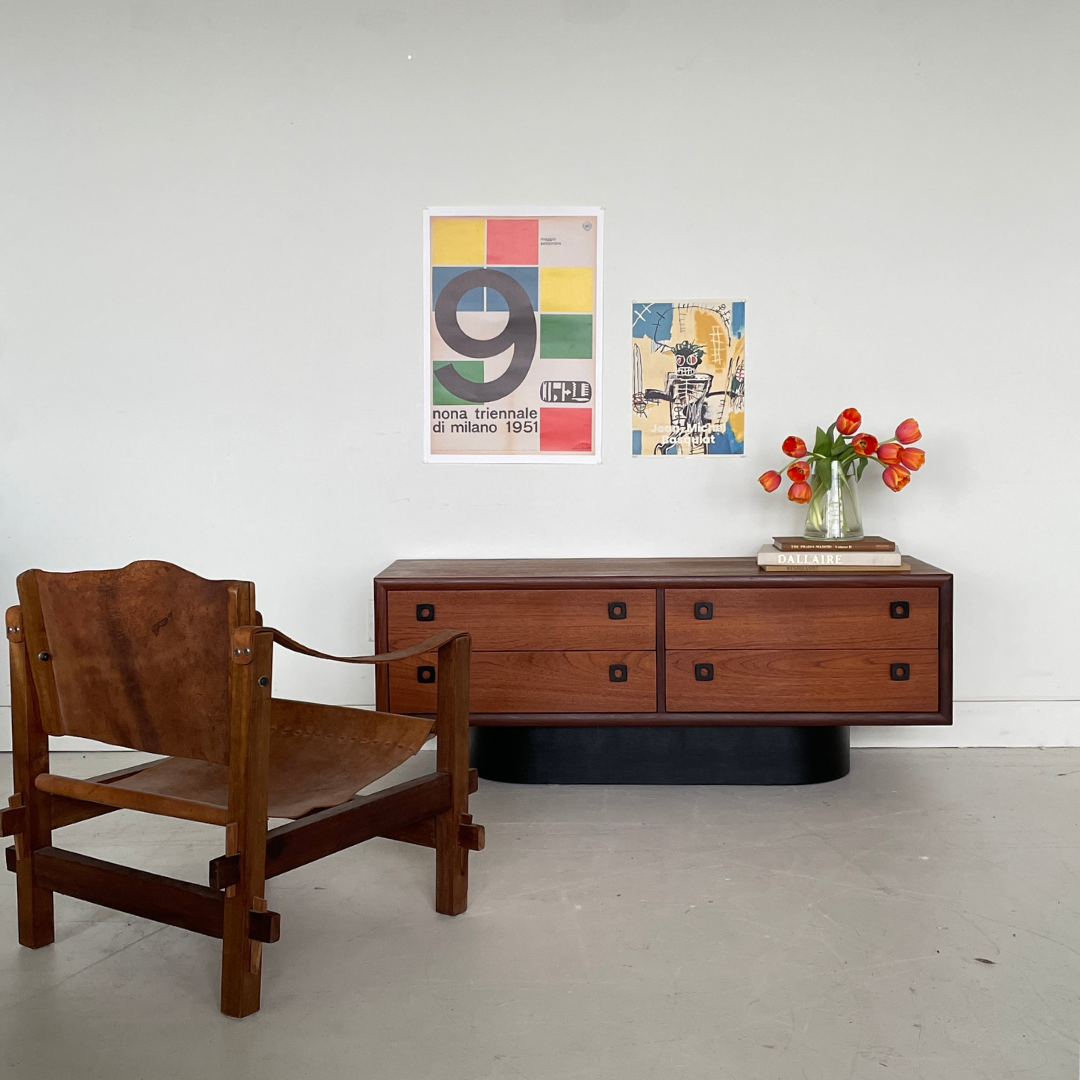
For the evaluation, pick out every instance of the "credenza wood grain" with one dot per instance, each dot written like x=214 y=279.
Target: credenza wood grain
x=822 y=618
x=788 y=648
x=802 y=680
x=537 y=682
x=662 y=573
x=510 y=619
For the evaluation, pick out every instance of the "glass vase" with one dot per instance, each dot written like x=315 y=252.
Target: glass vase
x=833 y=510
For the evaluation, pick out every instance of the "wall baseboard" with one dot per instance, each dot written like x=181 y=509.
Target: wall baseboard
x=987 y=723
x=976 y=723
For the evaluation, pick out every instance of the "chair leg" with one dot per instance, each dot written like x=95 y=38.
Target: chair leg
x=241 y=958
x=241 y=964
x=36 y=926
x=30 y=758
x=452 y=756
x=249 y=756
x=451 y=867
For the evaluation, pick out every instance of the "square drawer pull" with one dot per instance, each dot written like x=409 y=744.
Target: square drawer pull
x=703 y=672
x=900 y=609
x=900 y=672
x=425 y=674
x=618 y=673
x=702 y=610
x=425 y=612
x=616 y=610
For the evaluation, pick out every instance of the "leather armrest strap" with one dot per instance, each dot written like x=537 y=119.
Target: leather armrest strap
x=243 y=636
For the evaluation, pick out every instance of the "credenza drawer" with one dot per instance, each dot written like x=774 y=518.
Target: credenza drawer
x=536 y=682
x=815 y=618
x=807 y=680
x=507 y=619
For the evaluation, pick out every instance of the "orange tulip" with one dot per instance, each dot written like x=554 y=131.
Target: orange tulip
x=770 y=480
x=800 y=493
x=896 y=477
x=889 y=452
x=908 y=432
x=912 y=458
x=864 y=444
x=847 y=423
x=798 y=472
x=794 y=447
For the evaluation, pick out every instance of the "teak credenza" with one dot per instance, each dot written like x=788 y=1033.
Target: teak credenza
x=671 y=670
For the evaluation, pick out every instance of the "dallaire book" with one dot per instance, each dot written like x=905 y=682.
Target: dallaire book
x=770 y=556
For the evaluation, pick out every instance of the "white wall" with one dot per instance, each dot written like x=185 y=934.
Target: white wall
x=210 y=306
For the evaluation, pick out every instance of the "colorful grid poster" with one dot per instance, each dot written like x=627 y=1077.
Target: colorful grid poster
x=689 y=377
x=512 y=333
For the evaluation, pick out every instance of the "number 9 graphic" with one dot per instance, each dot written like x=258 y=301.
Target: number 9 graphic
x=520 y=332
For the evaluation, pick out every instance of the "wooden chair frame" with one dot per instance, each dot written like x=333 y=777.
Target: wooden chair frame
x=431 y=811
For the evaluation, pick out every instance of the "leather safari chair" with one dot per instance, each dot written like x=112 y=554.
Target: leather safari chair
x=154 y=658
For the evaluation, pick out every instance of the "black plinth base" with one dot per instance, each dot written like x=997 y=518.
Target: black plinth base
x=660 y=755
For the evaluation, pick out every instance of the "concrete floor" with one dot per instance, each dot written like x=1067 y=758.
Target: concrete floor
x=921 y=916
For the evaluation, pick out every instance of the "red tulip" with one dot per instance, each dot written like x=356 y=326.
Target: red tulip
x=798 y=472
x=847 y=423
x=800 y=493
x=864 y=444
x=889 y=452
x=908 y=432
x=794 y=447
x=912 y=458
x=770 y=480
x=896 y=477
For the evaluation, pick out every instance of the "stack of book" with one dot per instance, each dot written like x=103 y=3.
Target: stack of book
x=796 y=553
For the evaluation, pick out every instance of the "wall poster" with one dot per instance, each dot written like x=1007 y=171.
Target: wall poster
x=512 y=334
x=689 y=377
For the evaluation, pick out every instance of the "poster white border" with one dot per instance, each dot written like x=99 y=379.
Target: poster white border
x=598 y=335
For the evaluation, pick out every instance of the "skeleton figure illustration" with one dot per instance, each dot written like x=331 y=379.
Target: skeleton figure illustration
x=690 y=398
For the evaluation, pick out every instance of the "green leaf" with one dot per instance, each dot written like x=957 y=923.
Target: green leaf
x=822 y=443
x=860 y=467
x=838 y=446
